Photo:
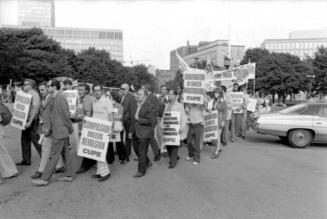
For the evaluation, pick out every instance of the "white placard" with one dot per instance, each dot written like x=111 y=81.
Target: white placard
x=71 y=96
x=94 y=140
x=210 y=131
x=170 y=129
x=21 y=110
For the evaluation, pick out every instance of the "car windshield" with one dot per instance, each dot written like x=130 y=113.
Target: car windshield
x=297 y=109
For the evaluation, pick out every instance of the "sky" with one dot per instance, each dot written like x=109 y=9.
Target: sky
x=151 y=29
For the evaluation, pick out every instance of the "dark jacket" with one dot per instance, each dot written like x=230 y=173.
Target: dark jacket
x=5 y=114
x=61 y=125
x=129 y=107
x=143 y=127
x=153 y=99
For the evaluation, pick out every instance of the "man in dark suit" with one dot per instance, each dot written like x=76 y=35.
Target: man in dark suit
x=129 y=107
x=155 y=102
x=61 y=128
x=142 y=130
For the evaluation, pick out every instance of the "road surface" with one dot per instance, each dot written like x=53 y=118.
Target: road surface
x=254 y=178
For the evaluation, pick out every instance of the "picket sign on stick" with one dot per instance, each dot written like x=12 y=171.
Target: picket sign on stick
x=94 y=139
x=170 y=128
x=21 y=109
x=194 y=86
x=210 y=131
x=252 y=105
x=237 y=101
x=71 y=96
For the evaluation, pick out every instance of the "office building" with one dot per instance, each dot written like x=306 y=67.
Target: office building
x=300 y=43
x=36 y=13
x=217 y=51
x=79 y=39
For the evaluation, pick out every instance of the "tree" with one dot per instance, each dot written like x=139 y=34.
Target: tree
x=28 y=53
x=253 y=55
x=319 y=63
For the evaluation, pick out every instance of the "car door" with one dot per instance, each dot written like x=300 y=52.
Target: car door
x=320 y=124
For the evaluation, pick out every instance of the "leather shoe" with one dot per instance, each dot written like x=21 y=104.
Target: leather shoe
x=157 y=157
x=23 y=163
x=60 y=170
x=95 y=176
x=36 y=175
x=81 y=170
x=138 y=175
x=104 y=178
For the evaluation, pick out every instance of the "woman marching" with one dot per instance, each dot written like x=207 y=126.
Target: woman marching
x=220 y=105
x=174 y=106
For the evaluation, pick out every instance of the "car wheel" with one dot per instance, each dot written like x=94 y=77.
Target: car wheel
x=300 y=138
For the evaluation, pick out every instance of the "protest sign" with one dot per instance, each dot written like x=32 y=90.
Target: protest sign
x=21 y=109
x=210 y=131
x=252 y=104
x=194 y=86
x=94 y=139
x=71 y=96
x=240 y=74
x=237 y=100
x=170 y=129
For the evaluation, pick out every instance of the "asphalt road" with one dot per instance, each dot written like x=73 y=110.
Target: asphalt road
x=254 y=178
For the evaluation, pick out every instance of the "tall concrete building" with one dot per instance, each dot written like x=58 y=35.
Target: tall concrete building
x=41 y=14
x=37 y=13
x=299 y=43
x=217 y=51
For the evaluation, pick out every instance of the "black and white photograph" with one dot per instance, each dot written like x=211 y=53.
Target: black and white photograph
x=163 y=109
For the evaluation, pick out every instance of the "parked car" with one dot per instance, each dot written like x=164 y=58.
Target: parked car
x=300 y=125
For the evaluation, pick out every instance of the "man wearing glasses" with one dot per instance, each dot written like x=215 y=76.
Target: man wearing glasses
x=29 y=135
x=129 y=107
x=61 y=128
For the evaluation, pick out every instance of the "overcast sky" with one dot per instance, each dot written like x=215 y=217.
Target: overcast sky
x=151 y=29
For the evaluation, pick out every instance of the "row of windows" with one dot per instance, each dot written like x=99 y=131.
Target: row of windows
x=295 y=45
x=84 y=34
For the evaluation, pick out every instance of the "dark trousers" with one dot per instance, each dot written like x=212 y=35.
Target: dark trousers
x=88 y=163
x=57 y=146
x=194 y=136
x=141 y=146
x=154 y=146
x=172 y=153
x=121 y=148
x=128 y=141
x=28 y=137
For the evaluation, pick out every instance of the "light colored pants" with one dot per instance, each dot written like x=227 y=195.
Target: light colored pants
x=102 y=168
x=7 y=165
x=163 y=148
x=46 y=149
x=218 y=141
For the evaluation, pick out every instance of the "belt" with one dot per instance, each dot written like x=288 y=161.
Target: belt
x=195 y=124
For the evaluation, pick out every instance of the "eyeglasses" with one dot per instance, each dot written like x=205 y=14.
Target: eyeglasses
x=26 y=84
x=122 y=88
x=96 y=90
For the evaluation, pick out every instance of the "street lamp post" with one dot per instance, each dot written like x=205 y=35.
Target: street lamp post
x=311 y=77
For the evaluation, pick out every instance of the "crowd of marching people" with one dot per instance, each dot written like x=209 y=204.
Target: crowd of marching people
x=137 y=115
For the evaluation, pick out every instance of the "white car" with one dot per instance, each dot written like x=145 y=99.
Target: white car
x=300 y=125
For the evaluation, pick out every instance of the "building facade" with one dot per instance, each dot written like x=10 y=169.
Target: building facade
x=163 y=76
x=37 y=13
x=217 y=51
x=79 y=39
x=300 y=43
